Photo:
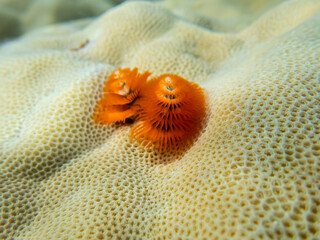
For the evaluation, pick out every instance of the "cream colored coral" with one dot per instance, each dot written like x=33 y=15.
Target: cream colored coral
x=253 y=173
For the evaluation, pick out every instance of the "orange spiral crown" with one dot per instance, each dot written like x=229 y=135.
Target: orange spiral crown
x=171 y=110
x=120 y=91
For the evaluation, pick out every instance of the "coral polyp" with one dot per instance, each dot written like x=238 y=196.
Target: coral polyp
x=121 y=90
x=171 y=112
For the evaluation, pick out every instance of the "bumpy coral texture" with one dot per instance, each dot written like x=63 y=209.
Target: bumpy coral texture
x=253 y=172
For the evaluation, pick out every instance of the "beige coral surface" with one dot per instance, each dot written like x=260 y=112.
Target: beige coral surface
x=253 y=173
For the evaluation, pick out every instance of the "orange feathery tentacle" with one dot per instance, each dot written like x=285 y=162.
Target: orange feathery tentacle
x=115 y=113
x=125 y=82
x=171 y=110
x=120 y=91
x=110 y=99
